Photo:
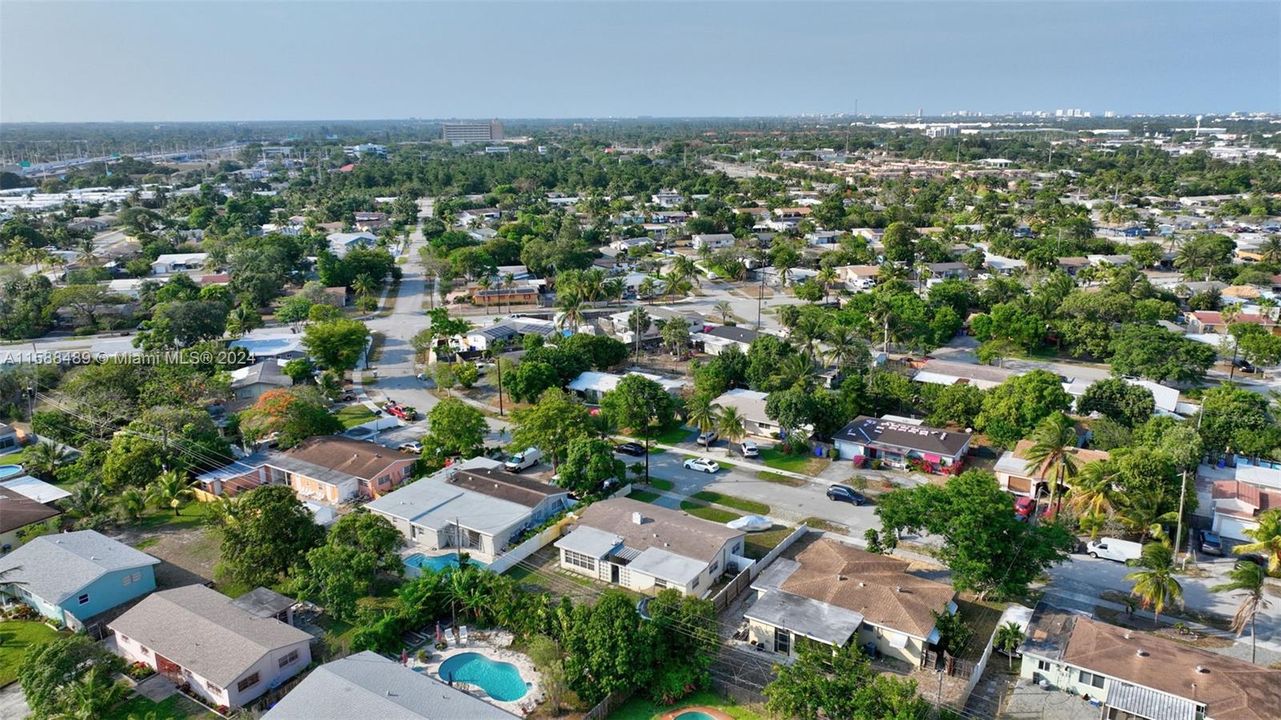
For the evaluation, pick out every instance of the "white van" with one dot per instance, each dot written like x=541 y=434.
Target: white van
x=522 y=460
x=1113 y=549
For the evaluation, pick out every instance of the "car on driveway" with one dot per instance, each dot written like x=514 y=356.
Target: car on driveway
x=749 y=449
x=845 y=493
x=1024 y=507
x=1211 y=543
x=413 y=447
x=630 y=448
x=707 y=438
x=702 y=465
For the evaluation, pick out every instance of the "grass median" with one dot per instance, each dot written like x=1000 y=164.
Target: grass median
x=747 y=506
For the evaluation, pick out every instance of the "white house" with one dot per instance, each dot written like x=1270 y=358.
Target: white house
x=628 y=244
x=592 y=385
x=751 y=407
x=712 y=241
x=170 y=263
x=715 y=340
x=341 y=243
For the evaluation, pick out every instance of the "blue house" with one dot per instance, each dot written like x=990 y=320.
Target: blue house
x=71 y=577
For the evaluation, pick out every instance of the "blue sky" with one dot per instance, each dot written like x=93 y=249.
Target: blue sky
x=222 y=60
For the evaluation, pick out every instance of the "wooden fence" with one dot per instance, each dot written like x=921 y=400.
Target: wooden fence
x=743 y=580
x=607 y=706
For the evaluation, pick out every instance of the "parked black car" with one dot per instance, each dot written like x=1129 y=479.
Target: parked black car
x=845 y=493
x=630 y=448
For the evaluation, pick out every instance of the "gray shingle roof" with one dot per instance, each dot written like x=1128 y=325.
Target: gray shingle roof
x=201 y=630
x=367 y=685
x=55 y=567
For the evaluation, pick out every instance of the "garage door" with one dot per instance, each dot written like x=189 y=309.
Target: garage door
x=1233 y=528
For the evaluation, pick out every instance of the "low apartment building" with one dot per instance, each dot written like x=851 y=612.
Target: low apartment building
x=648 y=548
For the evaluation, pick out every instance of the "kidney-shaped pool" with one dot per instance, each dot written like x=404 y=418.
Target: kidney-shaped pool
x=501 y=680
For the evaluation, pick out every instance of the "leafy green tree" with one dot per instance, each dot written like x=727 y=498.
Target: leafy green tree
x=86 y=301
x=590 y=464
x=764 y=357
x=336 y=344
x=1011 y=324
x=641 y=405
x=1012 y=409
x=1247 y=579
x=529 y=380
x=988 y=549
x=25 y=307
x=603 y=351
x=343 y=570
x=720 y=373
x=294 y=414
x=1115 y=398
x=601 y=644
x=899 y=241
x=840 y=684
x=1231 y=417
x=267 y=530
x=551 y=424
x=455 y=429
x=1160 y=355
x=299 y=370
x=955 y=405
x=182 y=324
x=49 y=672
x=680 y=642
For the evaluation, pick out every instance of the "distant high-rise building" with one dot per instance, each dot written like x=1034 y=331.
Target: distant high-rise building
x=463 y=133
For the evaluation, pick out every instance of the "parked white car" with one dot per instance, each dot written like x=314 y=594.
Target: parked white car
x=1113 y=549
x=702 y=465
x=750 y=523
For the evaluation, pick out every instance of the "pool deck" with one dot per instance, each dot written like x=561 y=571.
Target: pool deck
x=710 y=712
x=493 y=645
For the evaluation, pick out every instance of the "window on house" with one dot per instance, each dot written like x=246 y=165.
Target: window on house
x=696 y=581
x=1043 y=665
x=213 y=688
x=83 y=599
x=123 y=638
x=292 y=656
x=247 y=683
x=716 y=565
x=660 y=583
x=585 y=562
x=1091 y=679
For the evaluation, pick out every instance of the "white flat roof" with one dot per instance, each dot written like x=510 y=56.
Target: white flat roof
x=36 y=489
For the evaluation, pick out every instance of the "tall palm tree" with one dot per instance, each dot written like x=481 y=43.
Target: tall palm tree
x=730 y=425
x=827 y=278
x=364 y=285
x=723 y=308
x=1142 y=510
x=1051 y=453
x=702 y=413
x=1094 y=493
x=570 y=305
x=1267 y=540
x=794 y=371
x=43 y=459
x=638 y=322
x=1193 y=259
x=1155 y=585
x=1247 y=578
x=844 y=348
x=170 y=488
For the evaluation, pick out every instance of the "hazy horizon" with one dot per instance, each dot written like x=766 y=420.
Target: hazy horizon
x=378 y=61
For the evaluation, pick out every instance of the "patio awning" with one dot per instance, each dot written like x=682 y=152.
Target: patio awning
x=1147 y=703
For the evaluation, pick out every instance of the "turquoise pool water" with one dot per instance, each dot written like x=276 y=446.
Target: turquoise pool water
x=694 y=715
x=502 y=681
x=436 y=563
x=8 y=471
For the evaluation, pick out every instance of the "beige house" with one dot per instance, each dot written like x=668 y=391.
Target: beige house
x=327 y=469
x=1014 y=475
x=648 y=548
x=836 y=594
x=1139 y=676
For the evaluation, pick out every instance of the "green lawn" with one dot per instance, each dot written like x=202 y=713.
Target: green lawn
x=787 y=480
x=804 y=463
x=747 y=506
x=760 y=543
x=174 y=707
x=674 y=435
x=190 y=515
x=641 y=708
x=354 y=414
x=643 y=495
x=814 y=523
x=660 y=483
x=16 y=638
x=700 y=510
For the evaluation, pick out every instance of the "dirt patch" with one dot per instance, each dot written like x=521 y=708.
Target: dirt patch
x=188 y=556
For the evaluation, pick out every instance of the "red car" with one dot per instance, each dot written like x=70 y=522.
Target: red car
x=1024 y=507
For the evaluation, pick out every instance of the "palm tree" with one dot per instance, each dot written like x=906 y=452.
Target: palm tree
x=1093 y=492
x=1142 y=510
x=730 y=425
x=702 y=413
x=1193 y=258
x=794 y=371
x=638 y=322
x=169 y=488
x=131 y=503
x=88 y=252
x=87 y=500
x=94 y=694
x=364 y=285
x=1270 y=250
x=723 y=308
x=1267 y=540
x=571 y=310
x=44 y=458
x=844 y=348
x=1247 y=578
x=1050 y=455
x=1008 y=638
x=1155 y=585
x=826 y=277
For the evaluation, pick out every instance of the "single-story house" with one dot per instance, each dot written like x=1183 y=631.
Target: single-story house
x=592 y=385
x=197 y=636
x=1212 y=321
x=71 y=577
x=628 y=244
x=947 y=372
x=474 y=506
x=712 y=241
x=1165 y=399
x=478 y=215
x=327 y=469
x=1140 y=676
x=858 y=277
x=1014 y=475
x=170 y=263
x=34 y=488
x=621 y=322
x=9 y=439
x=341 y=243
x=648 y=548
x=751 y=407
x=520 y=294
x=1234 y=497
x=835 y=594
x=17 y=513
x=896 y=443
x=948 y=270
x=250 y=382
x=268 y=343
x=509 y=329
x=368 y=685
x=716 y=339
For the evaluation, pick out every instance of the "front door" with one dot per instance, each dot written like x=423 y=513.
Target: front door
x=168 y=668
x=613 y=573
x=782 y=641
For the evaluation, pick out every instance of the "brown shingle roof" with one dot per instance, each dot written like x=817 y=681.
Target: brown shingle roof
x=1082 y=457
x=670 y=530
x=353 y=457
x=878 y=587
x=1230 y=688
x=18 y=510
x=505 y=486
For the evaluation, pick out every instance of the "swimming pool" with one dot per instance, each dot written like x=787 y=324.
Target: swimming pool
x=501 y=680
x=694 y=715
x=436 y=563
x=8 y=471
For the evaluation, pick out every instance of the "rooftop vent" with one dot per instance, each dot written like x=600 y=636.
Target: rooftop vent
x=1141 y=652
x=840 y=577
x=638 y=518
x=1203 y=669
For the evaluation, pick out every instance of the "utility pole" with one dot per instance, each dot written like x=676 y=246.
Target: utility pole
x=1183 y=491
